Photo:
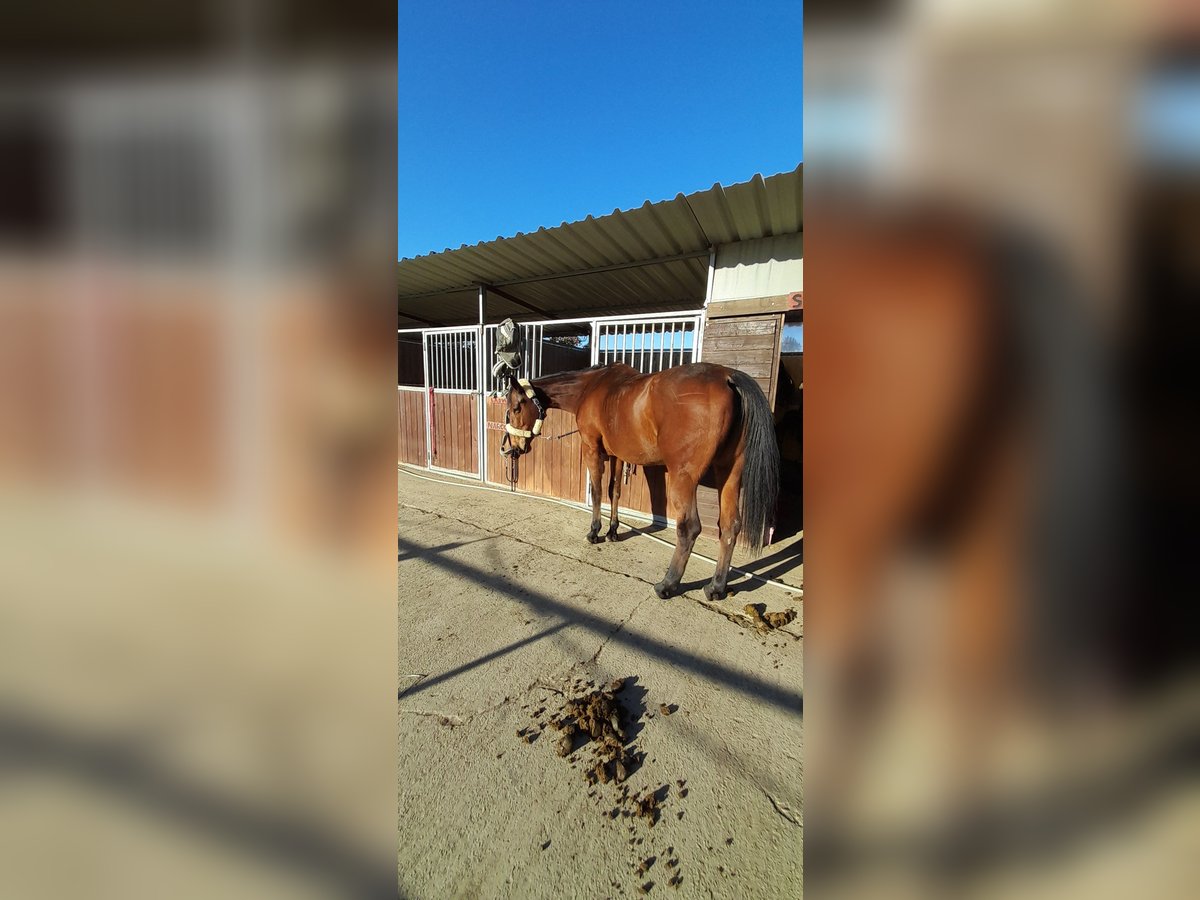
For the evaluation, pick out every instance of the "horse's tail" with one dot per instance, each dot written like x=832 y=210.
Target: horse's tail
x=760 y=470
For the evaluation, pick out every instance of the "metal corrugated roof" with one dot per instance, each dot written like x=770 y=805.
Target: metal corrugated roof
x=653 y=257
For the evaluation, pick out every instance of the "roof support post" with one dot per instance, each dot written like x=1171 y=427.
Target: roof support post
x=481 y=370
x=712 y=272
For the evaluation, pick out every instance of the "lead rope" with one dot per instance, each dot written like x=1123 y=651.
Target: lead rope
x=511 y=472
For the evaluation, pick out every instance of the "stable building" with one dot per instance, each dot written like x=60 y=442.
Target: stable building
x=714 y=276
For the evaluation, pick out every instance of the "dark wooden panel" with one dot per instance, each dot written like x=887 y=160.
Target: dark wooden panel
x=455 y=429
x=780 y=303
x=560 y=358
x=446 y=447
x=410 y=362
x=758 y=356
x=707 y=503
x=740 y=325
x=410 y=420
x=647 y=492
x=748 y=343
x=555 y=469
x=755 y=370
x=552 y=469
x=739 y=342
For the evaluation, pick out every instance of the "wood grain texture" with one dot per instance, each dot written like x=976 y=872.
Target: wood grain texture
x=748 y=343
x=456 y=432
x=777 y=304
x=410 y=422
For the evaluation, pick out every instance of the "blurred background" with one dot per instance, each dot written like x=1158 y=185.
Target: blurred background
x=197 y=419
x=1003 y=235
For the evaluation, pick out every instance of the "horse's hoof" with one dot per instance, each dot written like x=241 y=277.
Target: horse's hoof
x=611 y=536
x=712 y=593
x=595 y=539
x=663 y=590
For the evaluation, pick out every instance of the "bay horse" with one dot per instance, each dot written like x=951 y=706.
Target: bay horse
x=691 y=419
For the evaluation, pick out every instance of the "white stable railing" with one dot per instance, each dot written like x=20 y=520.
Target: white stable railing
x=451 y=359
x=648 y=346
x=459 y=359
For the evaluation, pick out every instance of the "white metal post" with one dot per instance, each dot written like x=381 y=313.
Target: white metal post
x=428 y=401
x=712 y=271
x=708 y=292
x=481 y=362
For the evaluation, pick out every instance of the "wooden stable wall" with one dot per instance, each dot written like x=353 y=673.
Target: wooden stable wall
x=454 y=429
x=749 y=343
x=553 y=469
x=410 y=418
x=646 y=491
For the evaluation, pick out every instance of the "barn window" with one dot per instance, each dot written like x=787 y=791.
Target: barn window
x=793 y=338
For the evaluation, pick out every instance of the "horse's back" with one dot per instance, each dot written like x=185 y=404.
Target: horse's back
x=664 y=418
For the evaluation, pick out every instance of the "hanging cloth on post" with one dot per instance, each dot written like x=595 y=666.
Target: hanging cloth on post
x=510 y=343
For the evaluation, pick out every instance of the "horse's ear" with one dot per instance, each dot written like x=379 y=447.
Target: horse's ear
x=512 y=382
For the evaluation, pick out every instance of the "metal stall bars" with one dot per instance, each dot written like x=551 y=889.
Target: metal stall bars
x=412 y=406
x=457 y=371
x=531 y=359
x=452 y=417
x=648 y=343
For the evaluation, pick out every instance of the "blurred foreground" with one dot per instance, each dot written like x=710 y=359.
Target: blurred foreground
x=1002 y=231
x=197 y=494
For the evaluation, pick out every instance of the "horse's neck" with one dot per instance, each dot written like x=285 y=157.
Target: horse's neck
x=564 y=391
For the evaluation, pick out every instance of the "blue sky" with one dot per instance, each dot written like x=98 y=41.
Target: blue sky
x=517 y=115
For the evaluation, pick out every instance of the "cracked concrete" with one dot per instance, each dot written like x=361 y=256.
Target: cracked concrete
x=615 y=631
x=502 y=603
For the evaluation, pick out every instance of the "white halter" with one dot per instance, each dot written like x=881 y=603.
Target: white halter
x=537 y=426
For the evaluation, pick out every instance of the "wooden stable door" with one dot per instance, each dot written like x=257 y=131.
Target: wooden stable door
x=453 y=431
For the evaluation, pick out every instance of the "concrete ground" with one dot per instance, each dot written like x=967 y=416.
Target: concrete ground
x=502 y=606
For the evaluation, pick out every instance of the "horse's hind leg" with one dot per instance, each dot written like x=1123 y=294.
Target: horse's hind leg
x=595 y=464
x=730 y=523
x=614 y=497
x=681 y=492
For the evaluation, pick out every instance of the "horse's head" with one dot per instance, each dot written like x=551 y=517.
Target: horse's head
x=522 y=418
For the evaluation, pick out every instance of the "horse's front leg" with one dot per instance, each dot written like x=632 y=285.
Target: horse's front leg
x=614 y=497
x=594 y=460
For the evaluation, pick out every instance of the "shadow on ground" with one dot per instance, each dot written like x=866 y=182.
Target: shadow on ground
x=750 y=686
